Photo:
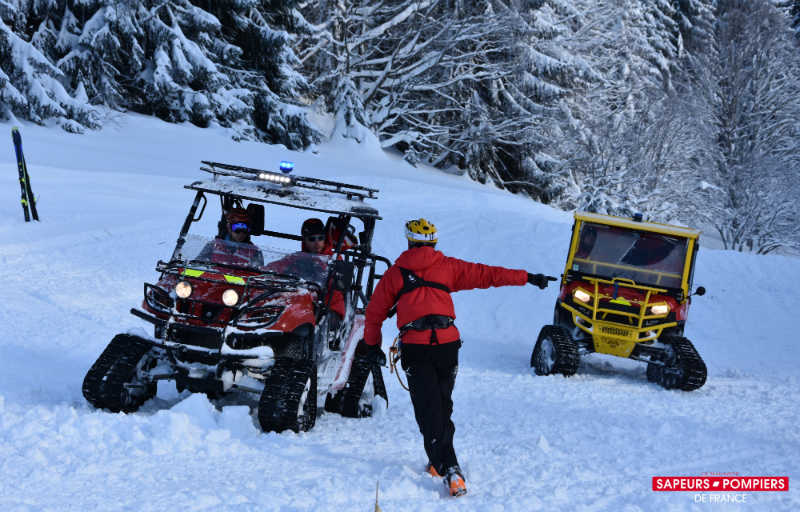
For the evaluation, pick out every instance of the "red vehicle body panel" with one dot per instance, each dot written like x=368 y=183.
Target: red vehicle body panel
x=634 y=296
x=298 y=307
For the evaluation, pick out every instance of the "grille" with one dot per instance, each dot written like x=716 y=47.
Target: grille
x=615 y=331
x=197 y=336
x=210 y=313
x=607 y=304
x=616 y=318
x=207 y=312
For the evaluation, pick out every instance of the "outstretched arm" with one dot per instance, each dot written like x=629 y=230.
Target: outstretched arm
x=467 y=275
x=540 y=280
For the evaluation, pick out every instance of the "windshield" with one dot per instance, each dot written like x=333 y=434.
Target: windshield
x=647 y=258
x=248 y=256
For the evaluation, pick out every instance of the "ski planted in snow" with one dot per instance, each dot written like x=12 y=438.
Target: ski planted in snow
x=27 y=199
x=17 y=138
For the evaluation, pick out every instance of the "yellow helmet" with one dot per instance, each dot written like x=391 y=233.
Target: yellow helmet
x=421 y=231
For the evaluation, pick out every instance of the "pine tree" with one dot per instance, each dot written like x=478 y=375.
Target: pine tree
x=616 y=125
x=335 y=47
x=174 y=59
x=695 y=20
x=518 y=121
x=30 y=85
x=453 y=84
x=98 y=48
x=256 y=50
x=751 y=197
x=792 y=8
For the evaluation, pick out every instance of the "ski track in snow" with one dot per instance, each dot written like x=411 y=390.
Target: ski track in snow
x=590 y=442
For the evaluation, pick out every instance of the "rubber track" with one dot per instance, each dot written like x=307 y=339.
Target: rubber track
x=694 y=369
x=351 y=394
x=116 y=366
x=346 y=401
x=277 y=407
x=567 y=357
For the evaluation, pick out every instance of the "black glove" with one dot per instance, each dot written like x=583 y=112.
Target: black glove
x=540 y=280
x=371 y=353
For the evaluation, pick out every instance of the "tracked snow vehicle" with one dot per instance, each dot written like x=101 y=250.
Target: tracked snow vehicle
x=625 y=291
x=245 y=317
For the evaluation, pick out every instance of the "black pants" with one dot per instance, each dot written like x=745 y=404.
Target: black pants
x=431 y=371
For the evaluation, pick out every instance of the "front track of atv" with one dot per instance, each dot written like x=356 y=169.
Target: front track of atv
x=113 y=382
x=682 y=367
x=555 y=352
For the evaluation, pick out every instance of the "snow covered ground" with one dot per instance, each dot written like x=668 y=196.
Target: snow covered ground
x=111 y=205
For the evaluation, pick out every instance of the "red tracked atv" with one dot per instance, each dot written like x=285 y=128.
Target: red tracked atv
x=625 y=292
x=241 y=317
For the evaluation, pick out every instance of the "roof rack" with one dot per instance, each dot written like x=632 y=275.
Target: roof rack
x=352 y=192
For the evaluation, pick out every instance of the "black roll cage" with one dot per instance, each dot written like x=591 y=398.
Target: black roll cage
x=360 y=256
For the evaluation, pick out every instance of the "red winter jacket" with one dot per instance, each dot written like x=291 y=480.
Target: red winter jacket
x=430 y=265
x=304 y=259
x=220 y=250
x=337 y=297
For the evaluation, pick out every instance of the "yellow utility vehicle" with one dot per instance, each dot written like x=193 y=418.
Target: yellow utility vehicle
x=625 y=291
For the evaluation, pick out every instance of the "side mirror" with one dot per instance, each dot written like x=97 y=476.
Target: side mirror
x=700 y=291
x=342 y=275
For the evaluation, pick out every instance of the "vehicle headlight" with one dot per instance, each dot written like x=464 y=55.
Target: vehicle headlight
x=581 y=296
x=659 y=309
x=230 y=297
x=183 y=289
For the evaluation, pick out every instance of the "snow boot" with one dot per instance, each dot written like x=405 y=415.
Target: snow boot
x=454 y=481
x=432 y=471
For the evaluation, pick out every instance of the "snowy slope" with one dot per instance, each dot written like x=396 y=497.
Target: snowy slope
x=112 y=203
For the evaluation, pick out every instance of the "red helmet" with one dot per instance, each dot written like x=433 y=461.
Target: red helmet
x=237 y=215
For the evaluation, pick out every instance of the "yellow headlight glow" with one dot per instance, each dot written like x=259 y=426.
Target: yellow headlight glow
x=581 y=296
x=183 y=289
x=659 y=309
x=230 y=297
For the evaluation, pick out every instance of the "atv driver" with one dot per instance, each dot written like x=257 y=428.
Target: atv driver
x=419 y=286
x=235 y=247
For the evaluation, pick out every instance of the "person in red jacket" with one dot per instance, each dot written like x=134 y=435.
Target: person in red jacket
x=316 y=241
x=418 y=286
x=235 y=248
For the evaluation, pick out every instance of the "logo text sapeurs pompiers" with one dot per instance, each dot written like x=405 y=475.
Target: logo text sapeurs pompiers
x=721 y=483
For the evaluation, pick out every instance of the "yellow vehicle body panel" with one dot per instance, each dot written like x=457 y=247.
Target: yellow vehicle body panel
x=653 y=227
x=615 y=338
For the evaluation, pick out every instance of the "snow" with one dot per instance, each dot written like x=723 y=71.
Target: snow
x=112 y=203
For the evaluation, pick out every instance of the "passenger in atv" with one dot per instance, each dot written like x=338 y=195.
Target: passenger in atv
x=317 y=241
x=235 y=248
x=310 y=260
x=314 y=239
